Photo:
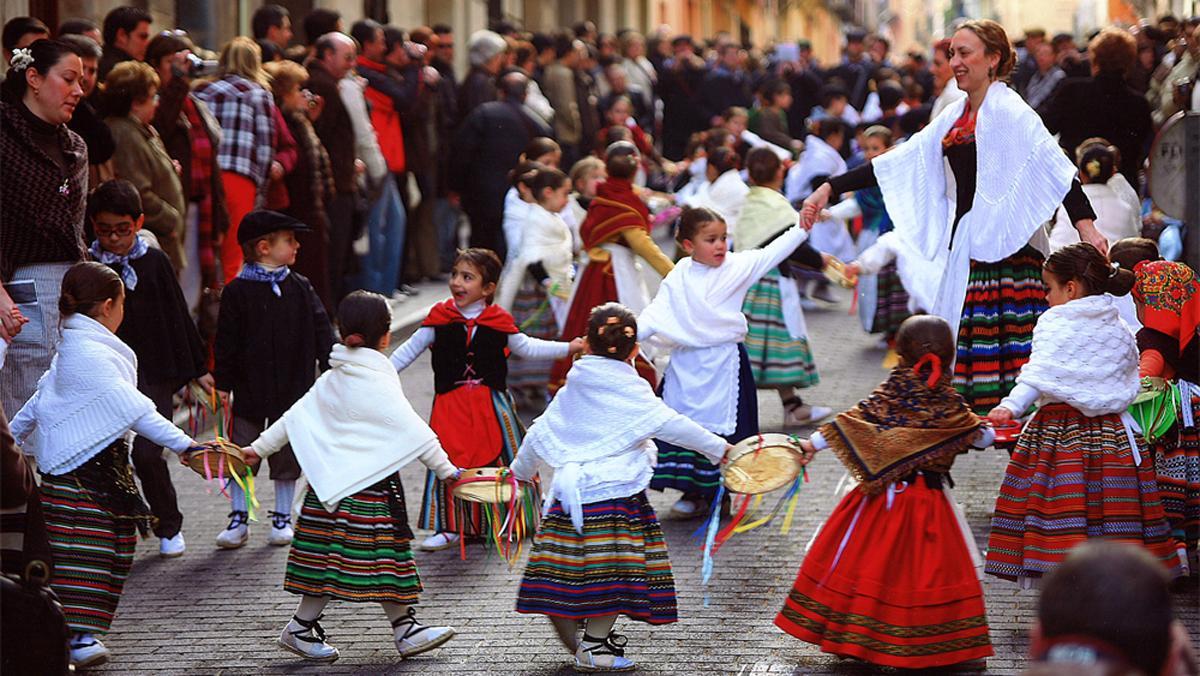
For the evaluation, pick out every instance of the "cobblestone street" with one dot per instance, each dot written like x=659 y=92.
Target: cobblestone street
x=216 y=611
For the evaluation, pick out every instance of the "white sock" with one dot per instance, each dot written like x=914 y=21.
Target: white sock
x=285 y=492
x=237 y=497
x=310 y=607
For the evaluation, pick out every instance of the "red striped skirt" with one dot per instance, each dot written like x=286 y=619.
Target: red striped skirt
x=895 y=587
x=1072 y=478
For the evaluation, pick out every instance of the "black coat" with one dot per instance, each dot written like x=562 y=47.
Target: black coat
x=334 y=128
x=1103 y=106
x=679 y=85
x=90 y=126
x=486 y=148
x=269 y=347
x=159 y=327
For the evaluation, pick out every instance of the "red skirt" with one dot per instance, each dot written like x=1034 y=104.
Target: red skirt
x=895 y=587
x=596 y=286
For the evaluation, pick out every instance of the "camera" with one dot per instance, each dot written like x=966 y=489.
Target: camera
x=198 y=67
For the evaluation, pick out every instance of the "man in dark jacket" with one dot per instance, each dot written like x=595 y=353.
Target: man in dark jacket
x=333 y=58
x=856 y=69
x=486 y=54
x=726 y=84
x=126 y=35
x=487 y=146
x=680 y=80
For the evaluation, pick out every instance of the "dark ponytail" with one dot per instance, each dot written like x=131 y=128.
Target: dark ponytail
x=86 y=286
x=1083 y=263
x=363 y=318
x=46 y=54
x=612 y=331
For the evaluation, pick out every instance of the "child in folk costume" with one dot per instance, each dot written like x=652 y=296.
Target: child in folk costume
x=470 y=339
x=1168 y=303
x=78 y=424
x=159 y=328
x=600 y=552
x=546 y=251
x=586 y=176
x=352 y=432
x=891 y=576
x=697 y=313
x=615 y=234
x=1117 y=206
x=777 y=344
x=1078 y=471
x=272 y=336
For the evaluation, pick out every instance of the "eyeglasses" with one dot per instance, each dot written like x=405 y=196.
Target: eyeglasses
x=122 y=230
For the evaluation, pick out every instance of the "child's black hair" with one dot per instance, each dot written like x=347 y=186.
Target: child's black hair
x=1098 y=162
x=86 y=286
x=621 y=160
x=546 y=178
x=724 y=159
x=539 y=147
x=763 y=165
x=1130 y=251
x=483 y=260
x=773 y=88
x=363 y=319
x=1083 y=263
x=612 y=331
x=524 y=173
x=691 y=219
x=117 y=196
x=920 y=335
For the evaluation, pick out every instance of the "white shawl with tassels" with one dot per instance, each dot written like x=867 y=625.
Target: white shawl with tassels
x=1022 y=176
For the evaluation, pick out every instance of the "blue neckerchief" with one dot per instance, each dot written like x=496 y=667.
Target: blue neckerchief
x=128 y=274
x=257 y=273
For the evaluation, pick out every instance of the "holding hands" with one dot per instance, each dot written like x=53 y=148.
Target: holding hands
x=810 y=211
x=1000 y=416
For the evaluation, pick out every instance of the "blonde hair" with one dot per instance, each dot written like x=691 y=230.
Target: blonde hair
x=242 y=56
x=284 y=76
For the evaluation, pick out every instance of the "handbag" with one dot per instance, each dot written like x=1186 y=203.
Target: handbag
x=34 y=637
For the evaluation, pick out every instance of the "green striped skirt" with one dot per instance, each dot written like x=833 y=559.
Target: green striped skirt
x=358 y=552
x=532 y=313
x=775 y=357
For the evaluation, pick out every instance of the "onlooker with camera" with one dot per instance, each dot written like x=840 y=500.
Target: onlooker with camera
x=126 y=36
x=240 y=100
x=192 y=136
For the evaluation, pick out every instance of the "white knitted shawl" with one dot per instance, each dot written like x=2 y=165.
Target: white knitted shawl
x=545 y=238
x=85 y=401
x=1022 y=176
x=596 y=434
x=1085 y=356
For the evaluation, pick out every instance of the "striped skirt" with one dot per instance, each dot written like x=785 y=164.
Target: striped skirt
x=691 y=472
x=618 y=566
x=775 y=357
x=441 y=512
x=533 y=314
x=995 y=337
x=1072 y=478
x=891 y=302
x=1177 y=463
x=93 y=551
x=892 y=583
x=359 y=552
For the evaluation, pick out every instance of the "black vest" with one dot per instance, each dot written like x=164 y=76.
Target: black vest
x=454 y=361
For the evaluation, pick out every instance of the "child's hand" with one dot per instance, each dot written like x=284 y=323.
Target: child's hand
x=1000 y=416
x=852 y=270
x=250 y=456
x=223 y=395
x=577 y=346
x=207 y=383
x=725 y=458
x=807 y=451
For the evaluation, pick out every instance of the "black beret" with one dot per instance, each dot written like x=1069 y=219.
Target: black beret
x=263 y=222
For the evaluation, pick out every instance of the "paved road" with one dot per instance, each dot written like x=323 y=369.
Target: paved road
x=220 y=611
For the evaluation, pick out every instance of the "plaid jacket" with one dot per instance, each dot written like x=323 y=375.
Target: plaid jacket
x=245 y=112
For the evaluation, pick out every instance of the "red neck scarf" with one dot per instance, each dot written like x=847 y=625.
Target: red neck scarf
x=615 y=208
x=493 y=316
x=963 y=130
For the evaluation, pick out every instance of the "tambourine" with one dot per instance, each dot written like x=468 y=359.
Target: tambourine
x=761 y=464
x=218 y=459
x=835 y=271
x=1008 y=433
x=487 y=485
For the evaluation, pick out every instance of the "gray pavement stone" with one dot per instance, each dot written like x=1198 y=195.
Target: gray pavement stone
x=219 y=612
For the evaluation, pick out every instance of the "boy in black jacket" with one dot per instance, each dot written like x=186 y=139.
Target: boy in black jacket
x=160 y=330
x=272 y=334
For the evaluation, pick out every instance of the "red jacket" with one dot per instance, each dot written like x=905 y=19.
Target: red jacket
x=386 y=119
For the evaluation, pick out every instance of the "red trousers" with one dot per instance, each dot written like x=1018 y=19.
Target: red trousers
x=240 y=192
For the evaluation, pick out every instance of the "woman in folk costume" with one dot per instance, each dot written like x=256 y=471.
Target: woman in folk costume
x=1168 y=303
x=1078 y=470
x=776 y=339
x=697 y=315
x=600 y=552
x=78 y=425
x=352 y=432
x=470 y=339
x=615 y=233
x=1002 y=160
x=891 y=576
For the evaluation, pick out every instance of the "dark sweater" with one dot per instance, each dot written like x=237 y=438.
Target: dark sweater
x=158 y=325
x=269 y=347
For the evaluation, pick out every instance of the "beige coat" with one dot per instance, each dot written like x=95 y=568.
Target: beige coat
x=142 y=160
